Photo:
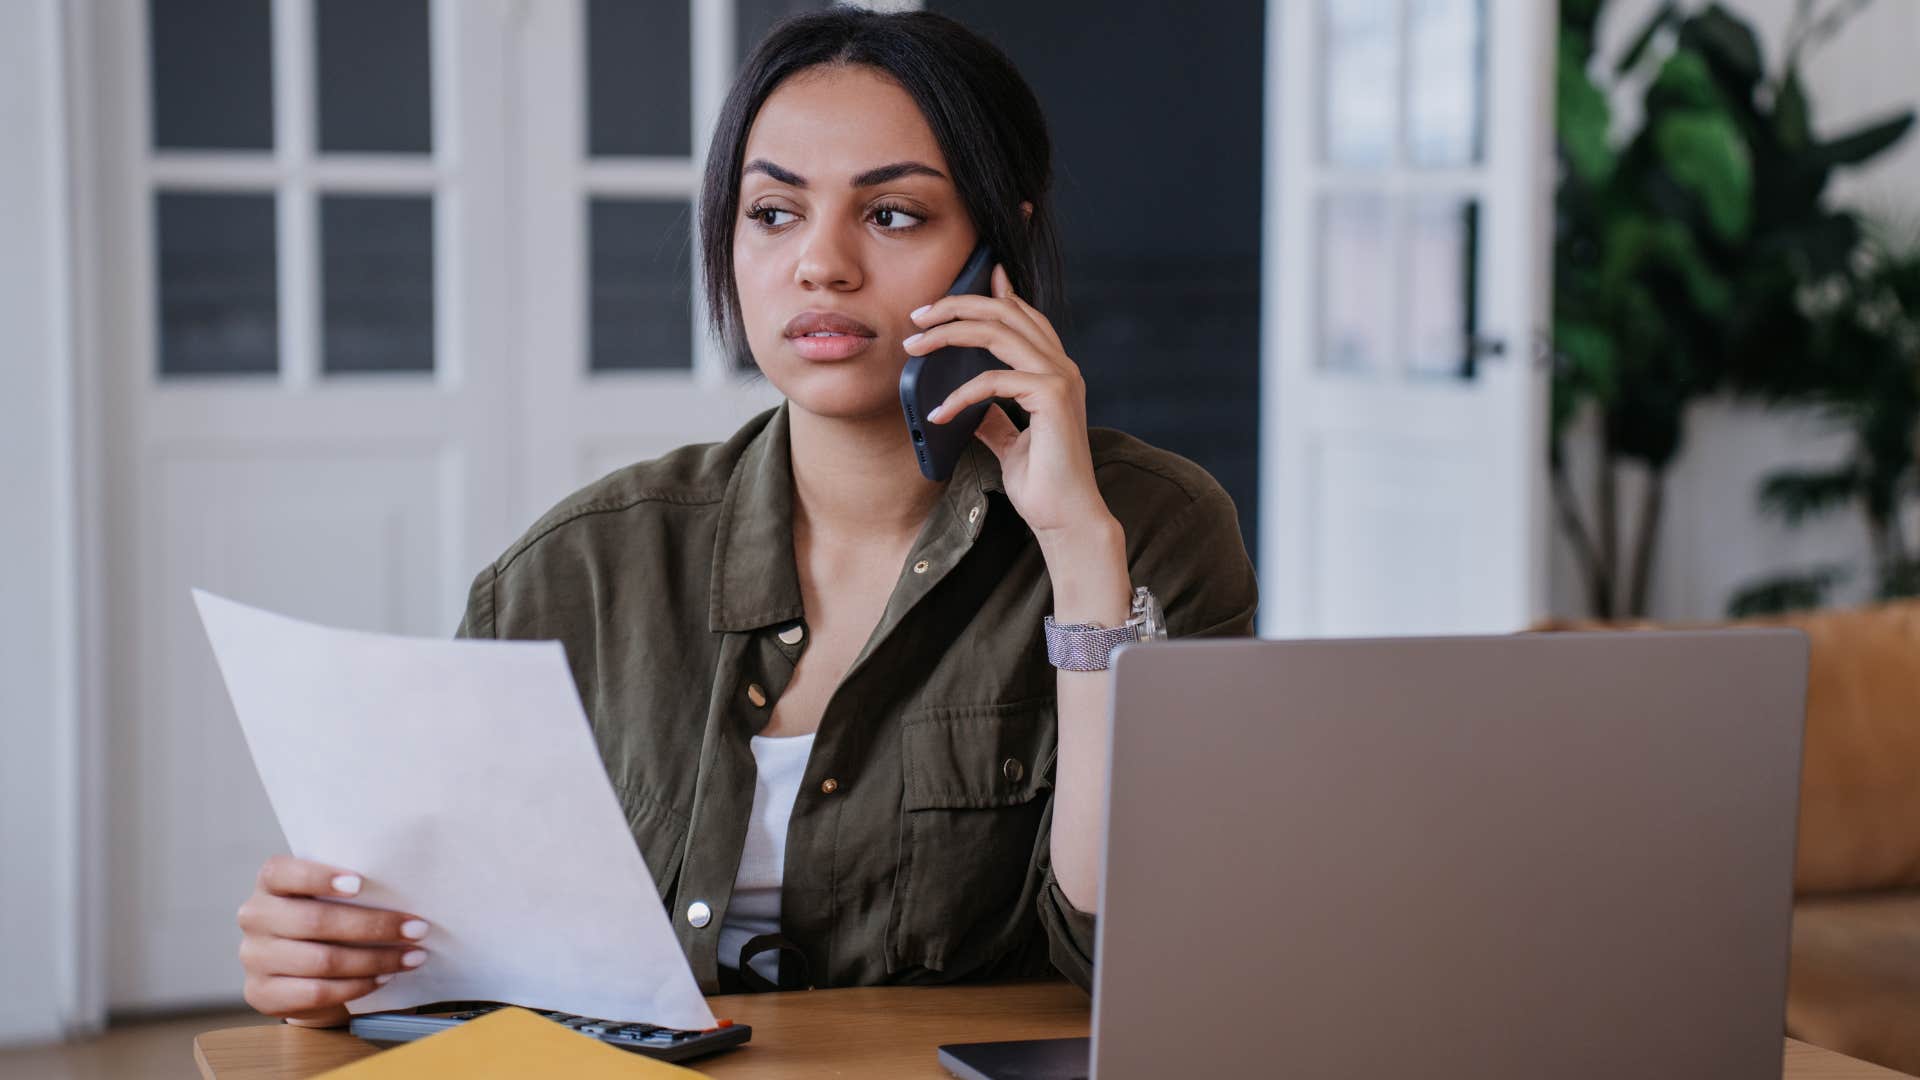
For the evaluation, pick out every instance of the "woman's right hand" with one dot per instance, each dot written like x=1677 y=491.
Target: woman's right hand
x=305 y=958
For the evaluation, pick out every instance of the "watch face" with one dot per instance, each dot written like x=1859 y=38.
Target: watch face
x=1152 y=627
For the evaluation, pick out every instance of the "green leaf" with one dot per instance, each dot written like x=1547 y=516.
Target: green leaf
x=1583 y=117
x=1787 y=592
x=1866 y=143
x=1587 y=358
x=1704 y=154
x=1662 y=18
x=1792 y=117
x=1795 y=497
x=1637 y=246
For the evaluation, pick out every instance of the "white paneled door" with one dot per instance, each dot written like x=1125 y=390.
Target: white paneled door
x=1409 y=172
x=380 y=281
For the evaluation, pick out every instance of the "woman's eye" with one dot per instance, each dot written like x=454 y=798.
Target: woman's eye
x=764 y=214
x=888 y=217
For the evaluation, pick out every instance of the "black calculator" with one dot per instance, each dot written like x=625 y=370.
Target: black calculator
x=667 y=1044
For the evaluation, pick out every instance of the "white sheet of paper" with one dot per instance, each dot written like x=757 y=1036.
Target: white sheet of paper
x=461 y=779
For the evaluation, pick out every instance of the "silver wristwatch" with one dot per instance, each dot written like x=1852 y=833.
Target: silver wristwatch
x=1089 y=647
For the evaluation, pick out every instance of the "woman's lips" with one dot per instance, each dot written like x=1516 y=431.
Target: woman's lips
x=829 y=347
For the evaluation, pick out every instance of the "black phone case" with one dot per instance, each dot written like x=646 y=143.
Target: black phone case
x=927 y=380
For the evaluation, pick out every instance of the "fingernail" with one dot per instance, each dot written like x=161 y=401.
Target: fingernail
x=414 y=928
x=414 y=958
x=919 y=311
x=913 y=339
x=936 y=412
x=347 y=884
x=382 y=980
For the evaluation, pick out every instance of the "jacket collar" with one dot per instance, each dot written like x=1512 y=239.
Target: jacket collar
x=755 y=581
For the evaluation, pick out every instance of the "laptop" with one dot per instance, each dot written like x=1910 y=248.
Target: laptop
x=1565 y=855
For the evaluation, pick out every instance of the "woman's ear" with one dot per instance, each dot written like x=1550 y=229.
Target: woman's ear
x=1026 y=211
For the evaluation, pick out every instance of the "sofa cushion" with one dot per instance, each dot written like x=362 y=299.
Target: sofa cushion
x=1855 y=986
x=1860 y=780
x=1860 y=775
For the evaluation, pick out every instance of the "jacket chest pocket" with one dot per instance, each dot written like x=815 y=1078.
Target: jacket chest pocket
x=660 y=834
x=977 y=784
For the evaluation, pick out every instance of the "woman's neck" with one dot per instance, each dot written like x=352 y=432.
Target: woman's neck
x=854 y=481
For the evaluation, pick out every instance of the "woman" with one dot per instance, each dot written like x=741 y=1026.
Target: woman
x=820 y=682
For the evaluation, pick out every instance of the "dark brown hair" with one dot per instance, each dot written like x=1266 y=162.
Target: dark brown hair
x=983 y=114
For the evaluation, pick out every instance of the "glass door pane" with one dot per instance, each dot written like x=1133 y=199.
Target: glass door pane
x=211 y=69
x=1356 y=270
x=1360 y=117
x=1445 y=73
x=373 y=76
x=376 y=283
x=639 y=283
x=639 y=79
x=218 y=303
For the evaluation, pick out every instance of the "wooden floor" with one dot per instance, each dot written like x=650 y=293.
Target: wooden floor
x=148 y=1049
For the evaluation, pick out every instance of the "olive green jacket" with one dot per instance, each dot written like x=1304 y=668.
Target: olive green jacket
x=918 y=847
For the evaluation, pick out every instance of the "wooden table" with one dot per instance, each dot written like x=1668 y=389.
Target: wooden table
x=846 y=1034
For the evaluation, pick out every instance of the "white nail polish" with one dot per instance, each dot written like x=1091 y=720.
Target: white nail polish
x=414 y=929
x=913 y=339
x=347 y=884
x=414 y=958
x=382 y=980
x=917 y=312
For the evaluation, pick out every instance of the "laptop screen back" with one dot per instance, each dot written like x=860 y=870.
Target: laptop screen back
x=1564 y=855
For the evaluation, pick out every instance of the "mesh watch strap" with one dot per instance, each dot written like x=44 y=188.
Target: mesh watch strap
x=1084 y=646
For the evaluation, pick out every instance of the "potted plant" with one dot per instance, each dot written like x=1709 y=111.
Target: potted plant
x=1864 y=374
x=1681 y=248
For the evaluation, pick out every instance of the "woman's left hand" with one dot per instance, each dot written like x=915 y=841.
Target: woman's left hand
x=1048 y=468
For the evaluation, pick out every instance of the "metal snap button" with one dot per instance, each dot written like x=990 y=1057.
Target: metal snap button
x=699 y=914
x=792 y=634
x=973 y=515
x=1013 y=770
x=920 y=567
x=756 y=695
x=829 y=786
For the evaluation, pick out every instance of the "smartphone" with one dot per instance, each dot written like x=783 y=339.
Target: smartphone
x=928 y=380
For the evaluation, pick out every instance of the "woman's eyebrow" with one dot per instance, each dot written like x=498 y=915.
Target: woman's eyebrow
x=866 y=179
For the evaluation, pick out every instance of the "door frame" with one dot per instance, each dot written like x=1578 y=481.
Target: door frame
x=41 y=813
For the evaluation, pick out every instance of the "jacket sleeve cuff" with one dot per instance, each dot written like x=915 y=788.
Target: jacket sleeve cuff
x=1069 y=934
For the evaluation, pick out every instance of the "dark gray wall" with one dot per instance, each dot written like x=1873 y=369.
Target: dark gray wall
x=1155 y=114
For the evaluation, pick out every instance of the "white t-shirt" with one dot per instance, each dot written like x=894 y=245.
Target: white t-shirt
x=755 y=907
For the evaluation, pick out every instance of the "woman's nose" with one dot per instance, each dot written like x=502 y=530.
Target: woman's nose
x=827 y=262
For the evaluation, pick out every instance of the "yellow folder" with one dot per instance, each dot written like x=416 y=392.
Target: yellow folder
x=508 y=1043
